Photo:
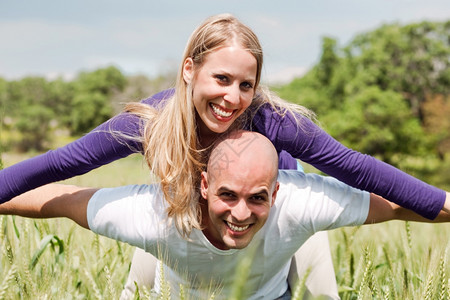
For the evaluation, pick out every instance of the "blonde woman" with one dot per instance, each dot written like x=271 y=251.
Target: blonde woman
x=217 y=90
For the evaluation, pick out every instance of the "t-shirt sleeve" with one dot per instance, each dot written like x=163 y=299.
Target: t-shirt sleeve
x=312 y=145
x=323 y=203
x=339 y=204
x=124 y=213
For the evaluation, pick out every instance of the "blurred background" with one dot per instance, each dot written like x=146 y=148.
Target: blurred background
x=376 y=73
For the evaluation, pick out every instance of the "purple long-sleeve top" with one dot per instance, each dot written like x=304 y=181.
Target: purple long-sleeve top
x=308 y=143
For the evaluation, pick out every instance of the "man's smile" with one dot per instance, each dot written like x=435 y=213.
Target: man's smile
x=236 y=227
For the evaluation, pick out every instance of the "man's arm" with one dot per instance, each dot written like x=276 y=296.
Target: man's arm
x=51 y=201
x=381 y=210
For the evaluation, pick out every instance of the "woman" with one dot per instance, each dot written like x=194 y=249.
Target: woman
x=217 y=90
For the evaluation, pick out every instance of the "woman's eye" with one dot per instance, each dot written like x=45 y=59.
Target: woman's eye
x=247 y=85
x=221 y=78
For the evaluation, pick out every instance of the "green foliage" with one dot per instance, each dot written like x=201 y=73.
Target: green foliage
x=33 y=107
x=3 y=95
x=378 y=122
x=391 y=262
x=89 y=110
x=34 y=127
x=92 y=101
x=412 y=60
x=30 y=109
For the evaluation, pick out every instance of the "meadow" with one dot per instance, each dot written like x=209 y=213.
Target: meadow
x=56 y=259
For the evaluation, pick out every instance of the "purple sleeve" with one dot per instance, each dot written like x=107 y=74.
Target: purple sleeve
x=312 y=145
x=286 y=161
x=97 y=148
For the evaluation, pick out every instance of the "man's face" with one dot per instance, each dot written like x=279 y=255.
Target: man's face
x=238 y=204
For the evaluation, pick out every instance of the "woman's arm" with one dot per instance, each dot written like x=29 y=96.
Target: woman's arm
x=97 y=148
x=314 y=146
x=105 y=144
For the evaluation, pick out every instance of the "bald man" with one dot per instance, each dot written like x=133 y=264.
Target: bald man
x=248 y=206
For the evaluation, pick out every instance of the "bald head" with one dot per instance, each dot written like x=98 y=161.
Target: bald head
x=246 y=152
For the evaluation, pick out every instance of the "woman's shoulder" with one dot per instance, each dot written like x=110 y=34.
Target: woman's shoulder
x=159 y=98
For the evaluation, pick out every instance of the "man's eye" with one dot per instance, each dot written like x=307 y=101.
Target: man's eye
x=259 y=198
x=227 y=195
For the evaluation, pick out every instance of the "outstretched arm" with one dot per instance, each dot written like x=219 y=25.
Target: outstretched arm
x=51 y=201
x=312 y=145
x=110 y=141
x=381 y=210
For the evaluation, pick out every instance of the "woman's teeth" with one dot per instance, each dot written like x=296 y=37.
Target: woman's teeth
x=237 y=228
x=221 y=112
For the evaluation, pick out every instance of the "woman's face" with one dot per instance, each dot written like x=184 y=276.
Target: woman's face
x=223 y=87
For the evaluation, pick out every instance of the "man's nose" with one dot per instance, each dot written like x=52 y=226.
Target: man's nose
x=241 y=212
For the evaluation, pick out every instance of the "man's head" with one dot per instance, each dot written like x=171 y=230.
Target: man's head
x=240 y=187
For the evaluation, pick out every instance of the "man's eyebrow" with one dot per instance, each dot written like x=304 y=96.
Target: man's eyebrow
x=225 y=189
x=262 y=192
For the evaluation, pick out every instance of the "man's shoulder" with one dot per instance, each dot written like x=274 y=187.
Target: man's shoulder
x=301 y=179
x=320 y=200
x=132 y=190
x=293 y=180
x=143 y=195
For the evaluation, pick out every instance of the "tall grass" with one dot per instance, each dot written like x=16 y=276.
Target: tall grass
x=55 y=259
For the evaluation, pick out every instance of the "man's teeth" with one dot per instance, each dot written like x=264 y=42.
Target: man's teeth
x=220 y=112
x=237 y=228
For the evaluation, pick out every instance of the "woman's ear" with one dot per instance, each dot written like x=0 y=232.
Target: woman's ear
x=188 y=70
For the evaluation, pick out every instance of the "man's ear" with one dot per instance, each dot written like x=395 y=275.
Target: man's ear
x=204 y=185
x=188 y=70
x=275 y=193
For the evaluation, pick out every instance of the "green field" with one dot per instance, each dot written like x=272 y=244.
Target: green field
x=55 y=259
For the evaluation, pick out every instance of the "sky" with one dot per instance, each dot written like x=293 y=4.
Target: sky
x=54 y=38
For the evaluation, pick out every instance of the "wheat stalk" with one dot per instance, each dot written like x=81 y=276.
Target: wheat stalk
x=443 y=277
x=97 y=292
x=109 y=283
x=7 y=280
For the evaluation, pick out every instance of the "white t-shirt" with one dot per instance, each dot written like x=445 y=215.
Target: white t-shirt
x=306 y=203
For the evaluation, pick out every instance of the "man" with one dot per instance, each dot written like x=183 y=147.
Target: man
x=244 y=211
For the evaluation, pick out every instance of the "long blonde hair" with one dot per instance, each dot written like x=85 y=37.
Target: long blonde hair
x=170 y=139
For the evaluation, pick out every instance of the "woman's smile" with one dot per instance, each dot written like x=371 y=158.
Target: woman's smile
x=221 y=113
x=223 y=87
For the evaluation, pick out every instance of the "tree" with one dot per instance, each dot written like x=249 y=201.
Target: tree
x=139 y=87
x=413 y=60
x=34 y=126
x=372 y=94
x=380 y=123
x=31 y=111
x=91 y=104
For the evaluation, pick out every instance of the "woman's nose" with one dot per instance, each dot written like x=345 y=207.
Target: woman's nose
x=233 y=94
